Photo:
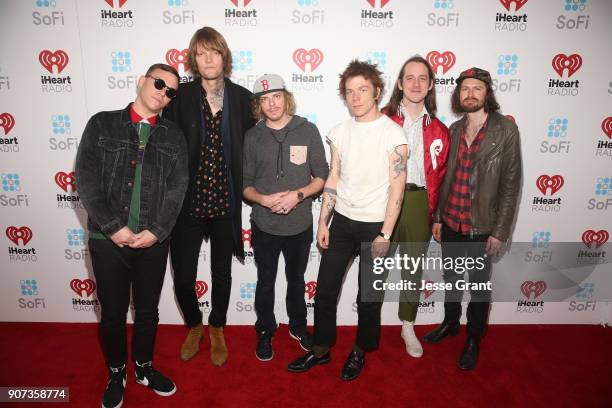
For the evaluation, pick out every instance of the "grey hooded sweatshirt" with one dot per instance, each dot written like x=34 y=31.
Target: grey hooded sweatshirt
x=280 y=160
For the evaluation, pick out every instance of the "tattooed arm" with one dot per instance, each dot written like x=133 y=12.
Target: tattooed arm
x=329 y=198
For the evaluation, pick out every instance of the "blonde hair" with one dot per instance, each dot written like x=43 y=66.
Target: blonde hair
x=290 y=106
x=210 y=38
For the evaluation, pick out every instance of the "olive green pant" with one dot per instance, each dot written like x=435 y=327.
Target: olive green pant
x=412 y=234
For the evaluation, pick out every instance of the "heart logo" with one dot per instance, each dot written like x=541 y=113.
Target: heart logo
x=79 y=286
x=176 y=58
x=246 y=236
x=428 y=292
x=58 y=58
x=590 y=237
x=561 y=62
x=110 y=3
x=311 y=289
x=517 y=4
x=446 y=60
x=537 y=288
x=7 y=121
x=314 y=57
x=383 y=3
x=66 y=180
x=544 y=182
x=201 y=288
x=606 y=126
x=237 y=2
x=22 y=233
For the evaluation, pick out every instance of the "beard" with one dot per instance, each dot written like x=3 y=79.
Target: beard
x=472 y=106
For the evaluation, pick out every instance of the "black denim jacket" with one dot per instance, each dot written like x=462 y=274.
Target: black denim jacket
x=105 y=169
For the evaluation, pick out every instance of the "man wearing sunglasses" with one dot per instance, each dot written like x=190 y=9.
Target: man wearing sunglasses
x=131 y=169
x=214 y=114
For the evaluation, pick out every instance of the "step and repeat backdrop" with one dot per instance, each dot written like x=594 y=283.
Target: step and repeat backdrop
x=64 y=60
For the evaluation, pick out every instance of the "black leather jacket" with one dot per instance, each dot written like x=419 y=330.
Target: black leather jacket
x=105 y=169
x=495 y=177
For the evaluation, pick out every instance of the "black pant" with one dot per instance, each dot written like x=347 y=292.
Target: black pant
x=185 y=244
x=267 y=249
x=116 y=271
x=346 y=237
x=455 y=245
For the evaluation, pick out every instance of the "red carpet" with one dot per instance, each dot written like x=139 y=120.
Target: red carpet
x=527 y=365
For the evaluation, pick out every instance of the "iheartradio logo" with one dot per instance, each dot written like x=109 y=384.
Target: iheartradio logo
x=446 y=60
x=561 y=62
x=79 y=286
x=382 y=3
x=115 y=3
x=22 y=233
x=7 y=121
x=201 y=288
x=314 y=57
x=246 y=236
x=428 y=292
x=311 y=289
x=58 y=58
x=590 y=237
x=535 y=288
x=544 y=182
x=66 y=181
x=517 y=4
x=606 y=126
x=175 y=58
x=236 y=3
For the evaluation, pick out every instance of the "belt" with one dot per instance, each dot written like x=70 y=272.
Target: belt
x=414 y=187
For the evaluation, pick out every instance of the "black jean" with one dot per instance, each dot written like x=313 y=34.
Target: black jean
x=346 y=237
x=117 y=270
x=267 y=249
x=455 y=245
x=185 y=244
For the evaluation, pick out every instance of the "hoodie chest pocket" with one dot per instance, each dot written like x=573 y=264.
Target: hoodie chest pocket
x=298 y=154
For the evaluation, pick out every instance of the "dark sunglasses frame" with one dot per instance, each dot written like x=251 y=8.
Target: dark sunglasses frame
x=160 y=84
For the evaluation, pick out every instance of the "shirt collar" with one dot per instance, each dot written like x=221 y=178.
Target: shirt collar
x=407 y=116
x=137 y=118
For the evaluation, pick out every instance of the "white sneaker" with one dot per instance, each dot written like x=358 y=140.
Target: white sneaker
x=413 y=346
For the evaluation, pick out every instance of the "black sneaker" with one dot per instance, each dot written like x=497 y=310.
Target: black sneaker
x=149 y=377
x=113 y=395
x=305 y=339
x=264 y=352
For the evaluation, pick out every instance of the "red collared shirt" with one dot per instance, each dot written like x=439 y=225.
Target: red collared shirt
x=137 y=118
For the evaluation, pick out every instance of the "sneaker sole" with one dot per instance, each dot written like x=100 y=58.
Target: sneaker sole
x=163 y=394
x=264 y=359
x=299 y=342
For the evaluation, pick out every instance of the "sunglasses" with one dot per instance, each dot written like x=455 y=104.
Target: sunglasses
x=159 y=84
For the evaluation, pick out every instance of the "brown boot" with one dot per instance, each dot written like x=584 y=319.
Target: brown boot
x=218 y=349
x=191 y=346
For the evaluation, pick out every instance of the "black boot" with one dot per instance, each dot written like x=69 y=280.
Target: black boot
x=440 y=332
x=469 y=357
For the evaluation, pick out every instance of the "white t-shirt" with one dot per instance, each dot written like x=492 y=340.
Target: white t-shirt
x=364 y=149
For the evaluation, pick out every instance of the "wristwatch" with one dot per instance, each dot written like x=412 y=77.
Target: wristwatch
x=385 y=236
x=300 y=196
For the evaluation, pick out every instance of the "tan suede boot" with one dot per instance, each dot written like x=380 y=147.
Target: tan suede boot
x=218 y=349
x=191 y=346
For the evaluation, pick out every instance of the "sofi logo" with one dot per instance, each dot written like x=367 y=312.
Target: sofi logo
x=603 y=187
x=537 y=288
x=444 y=4
x=573 y=21
x=379 y=58
x=311 y=289
x=75 y=237
x=121 y=61
x=175 y=16
x=311 y=15
x=603 y=191
x=28 y=287
x=47 y=18
x=60 y=124
x=201 y=288
x=566 y=63
x=540 y=239
x=16 y=234
x=242 y=60
x=66 y=181
x=597 y=238
x=83 y=288
x=7 y=122
x=10 y=182
x=46 y=3
x=517 y=4
x=544 y=183
x=441 y=61
x=49 y=59
x=247 y=290
x=507 y=64
x=585 y=291
x=312 y=58
x=557 y=127
x=575 y=5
